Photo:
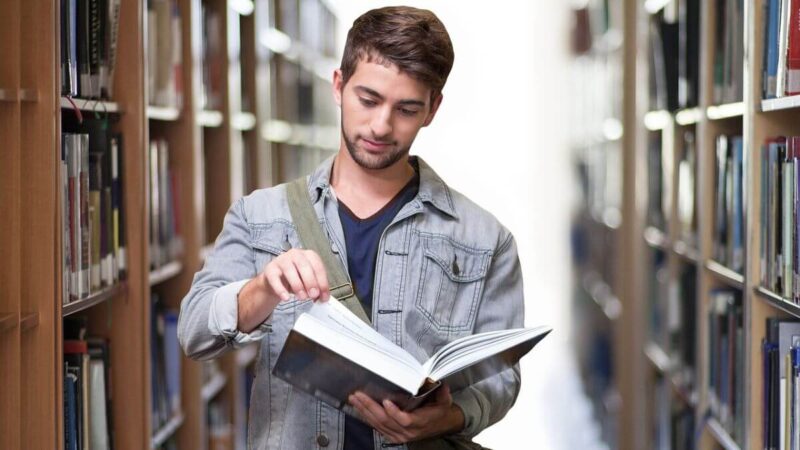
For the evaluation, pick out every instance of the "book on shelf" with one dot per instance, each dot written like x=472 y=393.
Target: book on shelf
x=330 y=354
x=781 y=396
x=165 y=364
x=91 y=190
x=726 y=363
x=213 y=58
x=728 y=68
x=674 y=43
x=728 y=237
x=164 y=54
x=166 y=243
x=87 y=392
x=781 y=62
x=89 y=32
x=681 y=320
x=687 y=170
x=656 y=203
x=779 y=256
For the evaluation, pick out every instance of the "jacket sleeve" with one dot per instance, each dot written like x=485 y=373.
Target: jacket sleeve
x=207 y=325
x=488 y=401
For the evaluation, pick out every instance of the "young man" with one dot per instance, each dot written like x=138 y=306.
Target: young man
x=428 y=265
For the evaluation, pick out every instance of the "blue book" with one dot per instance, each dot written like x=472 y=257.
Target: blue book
x=172 y=357
x=70 y=418
x=771 y=49
x=738 y=213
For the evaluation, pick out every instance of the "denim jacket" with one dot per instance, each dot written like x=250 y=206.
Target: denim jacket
x=445 y=269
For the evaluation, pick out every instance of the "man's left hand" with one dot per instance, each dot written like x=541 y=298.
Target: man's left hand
x=434 y=419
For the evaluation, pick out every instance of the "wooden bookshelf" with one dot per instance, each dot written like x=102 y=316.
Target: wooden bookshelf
x=211 y=152
x=754 y=119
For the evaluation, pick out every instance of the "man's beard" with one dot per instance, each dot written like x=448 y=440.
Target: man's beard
x=370 y=161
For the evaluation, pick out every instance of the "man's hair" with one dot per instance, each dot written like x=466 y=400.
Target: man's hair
x=412 y=39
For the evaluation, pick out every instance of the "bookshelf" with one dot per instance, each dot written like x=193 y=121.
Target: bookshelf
x=217 y=153
x=700 y=197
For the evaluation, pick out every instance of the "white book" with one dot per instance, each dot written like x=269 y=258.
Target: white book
x=330 y=353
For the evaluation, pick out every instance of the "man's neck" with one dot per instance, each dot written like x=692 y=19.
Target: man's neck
x=366 y=191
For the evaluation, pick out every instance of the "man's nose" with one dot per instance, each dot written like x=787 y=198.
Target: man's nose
x=382 y=123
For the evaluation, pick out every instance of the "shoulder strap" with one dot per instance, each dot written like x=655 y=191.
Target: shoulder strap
x=313 y=238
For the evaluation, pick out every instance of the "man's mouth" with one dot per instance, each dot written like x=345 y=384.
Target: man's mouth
x=375 y=145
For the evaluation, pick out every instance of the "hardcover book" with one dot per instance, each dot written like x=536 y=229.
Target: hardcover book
x=330 y=353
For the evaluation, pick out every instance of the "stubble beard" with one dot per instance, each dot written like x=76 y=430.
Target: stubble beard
x=370 y=161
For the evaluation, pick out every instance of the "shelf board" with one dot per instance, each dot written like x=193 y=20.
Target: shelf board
x=165 y=432
x=29 y=321
x=213 y=387
x=778 y=301
x=656 y=238
x=7 y=321
x=209 y=119
x=685 y=251
x=164 y=113
x=94 y=299
x=246 y=355
x=726 y=274
x=658 y=357
x=722 y=437
x=657 y=120
x=780 y=104
x=243 y=121
x=91 y=105
x=726 y=111
x=689 y=116
x=165 y=272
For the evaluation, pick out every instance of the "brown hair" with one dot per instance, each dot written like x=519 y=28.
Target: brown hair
x=412 y=39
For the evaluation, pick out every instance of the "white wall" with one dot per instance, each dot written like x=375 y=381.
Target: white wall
x=500 y=138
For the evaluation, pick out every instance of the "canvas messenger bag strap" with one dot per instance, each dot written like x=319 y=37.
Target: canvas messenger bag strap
x=313 y=238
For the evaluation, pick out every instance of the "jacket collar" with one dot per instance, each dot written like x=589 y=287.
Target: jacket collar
x=432 y=189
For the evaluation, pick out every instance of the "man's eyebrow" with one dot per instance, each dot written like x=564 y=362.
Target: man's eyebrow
x=373 y=93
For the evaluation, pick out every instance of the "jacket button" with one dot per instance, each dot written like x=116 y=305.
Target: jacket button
x=323 y=440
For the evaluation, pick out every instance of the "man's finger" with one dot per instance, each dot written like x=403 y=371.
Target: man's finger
x=377 y=411
x=291 y=276
x=307 y=275
x=273 y=278
x=403 y=418
x=319 y=270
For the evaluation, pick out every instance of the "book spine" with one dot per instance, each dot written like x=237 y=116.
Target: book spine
x=793 y=50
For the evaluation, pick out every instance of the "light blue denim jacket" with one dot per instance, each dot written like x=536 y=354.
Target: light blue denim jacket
x=445 y=269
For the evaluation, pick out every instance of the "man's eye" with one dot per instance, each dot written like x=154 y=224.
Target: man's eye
x=408 y=112
x=367 y=102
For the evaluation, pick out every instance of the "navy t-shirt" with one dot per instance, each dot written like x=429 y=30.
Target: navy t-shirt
x=362 y=237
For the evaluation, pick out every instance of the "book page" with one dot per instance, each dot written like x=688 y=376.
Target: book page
x=338 y=318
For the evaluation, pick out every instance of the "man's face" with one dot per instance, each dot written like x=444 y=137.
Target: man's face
x=382 y=111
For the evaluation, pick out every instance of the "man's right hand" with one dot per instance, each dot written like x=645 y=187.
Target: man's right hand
x=294 y=274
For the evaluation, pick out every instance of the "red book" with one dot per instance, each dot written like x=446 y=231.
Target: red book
x=793 y=51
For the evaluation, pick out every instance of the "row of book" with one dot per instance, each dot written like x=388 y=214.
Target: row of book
x=726 y=361
x=166 y=242
x=728 y=65
x=729 y=231
x=165 y=363
x=213 y=58
x=781 y=367
x=674 y=56
x=779 y=256
x=94 y=255
x=781 y=63
x=164 y=54
x=87 y=389
x=657 y=203
x=673 y=421
x=89 y=30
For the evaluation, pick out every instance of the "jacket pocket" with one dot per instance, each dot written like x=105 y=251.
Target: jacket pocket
x=451 y=283
x=270 y=240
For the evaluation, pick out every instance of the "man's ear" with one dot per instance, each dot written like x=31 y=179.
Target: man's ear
x=338 y=85
x=434 y=107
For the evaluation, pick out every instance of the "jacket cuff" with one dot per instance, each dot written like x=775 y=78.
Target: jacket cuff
x=474 y=418
x=223 y=317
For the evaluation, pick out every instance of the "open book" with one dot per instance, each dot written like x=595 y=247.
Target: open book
x=330 y=353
